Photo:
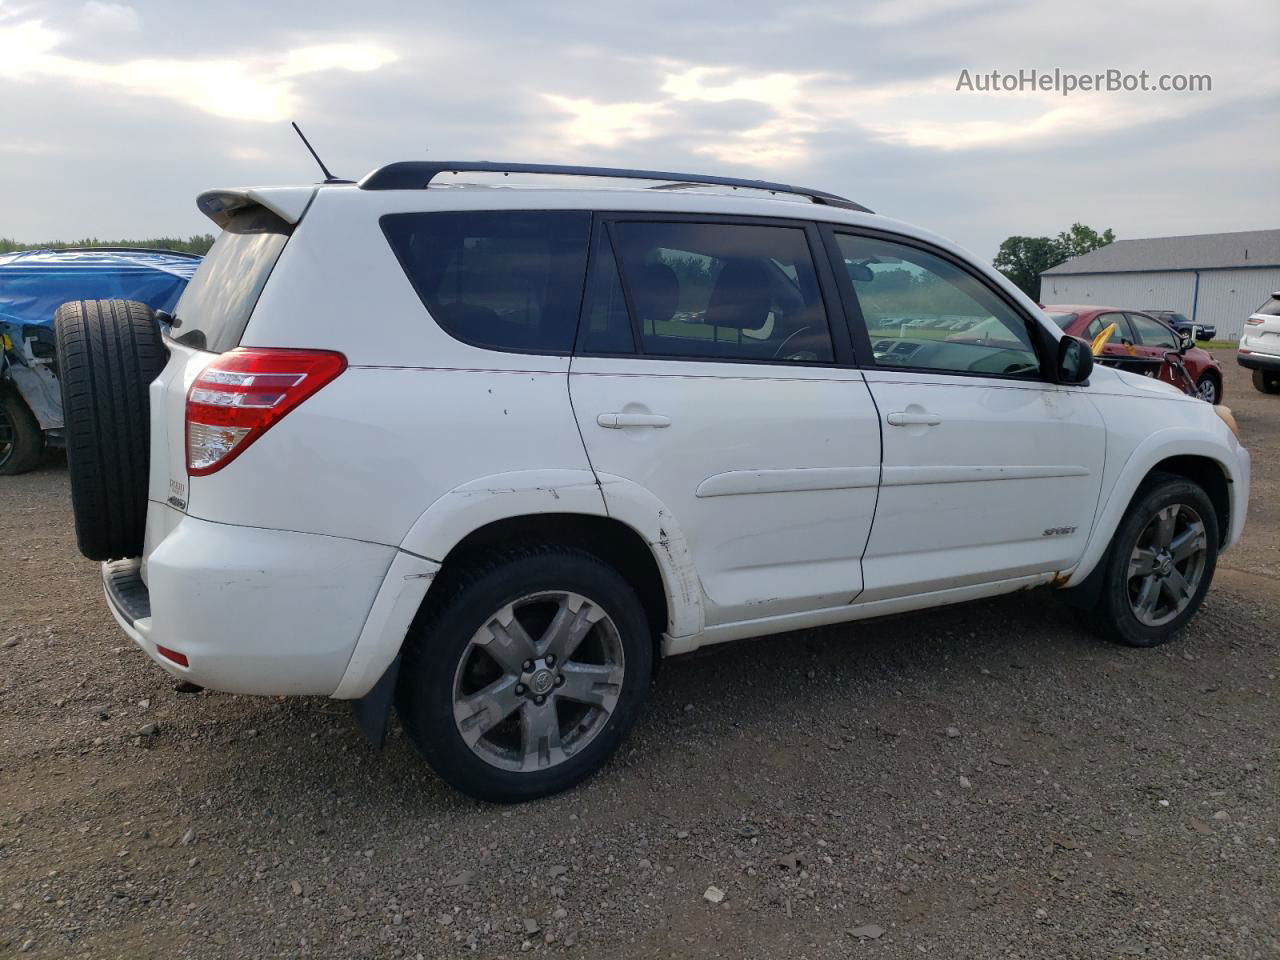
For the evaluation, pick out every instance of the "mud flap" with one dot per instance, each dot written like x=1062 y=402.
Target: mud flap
x=373 y=710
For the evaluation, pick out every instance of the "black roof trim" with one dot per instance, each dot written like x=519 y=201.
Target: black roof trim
x=417 y=174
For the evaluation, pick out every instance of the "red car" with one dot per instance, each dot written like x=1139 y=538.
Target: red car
x=1140 y=344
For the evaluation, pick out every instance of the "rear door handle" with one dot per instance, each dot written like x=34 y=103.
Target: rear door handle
x=904 y=419
x=616 y=421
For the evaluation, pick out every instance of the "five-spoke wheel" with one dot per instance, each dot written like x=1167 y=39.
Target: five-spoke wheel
x=523 y=673
x=1160 y=563
x=1166 y=564
x=539 y=681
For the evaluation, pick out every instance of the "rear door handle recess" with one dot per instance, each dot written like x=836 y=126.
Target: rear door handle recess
x=616 y=421
x=904 y=419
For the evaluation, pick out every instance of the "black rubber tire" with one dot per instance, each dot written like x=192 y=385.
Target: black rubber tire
x=25 y=443
x=455 y=608
x=1111 y=615
x=1267 y=381
x=1217 y=388
x=109 y=351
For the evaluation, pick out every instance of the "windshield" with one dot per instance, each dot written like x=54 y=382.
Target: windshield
x=1063 y=320
x=215 y=307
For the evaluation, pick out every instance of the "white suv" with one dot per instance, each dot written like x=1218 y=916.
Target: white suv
x=1260 y=345
x=487 y=452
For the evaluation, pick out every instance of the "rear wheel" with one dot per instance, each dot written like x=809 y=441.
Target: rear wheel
x=1268 y=381
x=21 y=439
x=109 y=351
x=522 y=676
x=1160 y=564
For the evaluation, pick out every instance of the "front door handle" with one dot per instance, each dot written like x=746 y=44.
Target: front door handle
x=616 y=421
x=905 y=419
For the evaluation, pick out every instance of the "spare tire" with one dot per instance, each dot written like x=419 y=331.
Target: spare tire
x=109 y=351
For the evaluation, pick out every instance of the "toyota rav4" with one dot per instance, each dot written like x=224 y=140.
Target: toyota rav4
x=484 y=451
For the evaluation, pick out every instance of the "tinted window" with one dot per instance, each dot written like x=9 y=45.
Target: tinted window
x=1153 y=333
x=1063 y=320
x=722 y=291
x=925 y=312
x=505 y=280
x=214 y=309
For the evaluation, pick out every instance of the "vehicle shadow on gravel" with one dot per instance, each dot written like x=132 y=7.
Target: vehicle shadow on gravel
x=818 y=684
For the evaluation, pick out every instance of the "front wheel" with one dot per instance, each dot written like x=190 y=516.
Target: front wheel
x=1160 y=564
x=1208 y=389
x=522 y=676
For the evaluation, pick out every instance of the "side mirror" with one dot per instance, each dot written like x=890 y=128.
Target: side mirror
x=1186 y=341
x=1075 y=360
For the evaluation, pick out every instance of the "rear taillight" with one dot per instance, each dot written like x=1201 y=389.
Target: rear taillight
x=1254 y=321
x=242 y=393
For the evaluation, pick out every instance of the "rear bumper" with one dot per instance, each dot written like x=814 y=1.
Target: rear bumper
x=252 y=610
x=1258 y=361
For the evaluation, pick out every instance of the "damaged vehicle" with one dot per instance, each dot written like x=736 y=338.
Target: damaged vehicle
x=482 y=442
x=33 y=284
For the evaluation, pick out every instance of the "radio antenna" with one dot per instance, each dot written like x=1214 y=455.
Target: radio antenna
x=328 y=177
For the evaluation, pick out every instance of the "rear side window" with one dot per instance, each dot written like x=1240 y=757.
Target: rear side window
x=721 y=291
x=1270 y=309
x=215 y=307
x=503 y=280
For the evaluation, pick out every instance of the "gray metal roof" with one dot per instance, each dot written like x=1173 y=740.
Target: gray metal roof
x=1204 y=251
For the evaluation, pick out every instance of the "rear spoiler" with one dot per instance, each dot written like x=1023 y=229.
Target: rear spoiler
x=287 y=203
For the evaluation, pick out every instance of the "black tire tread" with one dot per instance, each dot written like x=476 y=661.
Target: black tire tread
x=109 y=351
x=1111 y=620
x=419 y=655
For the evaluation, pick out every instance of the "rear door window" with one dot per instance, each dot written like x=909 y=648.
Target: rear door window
x=507 y=280
x=723 y=291
x=214 y=309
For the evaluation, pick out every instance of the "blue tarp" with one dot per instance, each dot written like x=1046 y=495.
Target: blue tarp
x=34 y=283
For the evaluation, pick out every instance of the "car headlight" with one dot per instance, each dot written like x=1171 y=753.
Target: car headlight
x=1227 y=417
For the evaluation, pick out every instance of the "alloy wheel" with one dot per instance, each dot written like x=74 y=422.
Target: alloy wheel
x=1167 y=564
x=538 y=681
x=1208 y=390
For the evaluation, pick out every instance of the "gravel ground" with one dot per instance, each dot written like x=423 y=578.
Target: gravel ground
x=987 y=780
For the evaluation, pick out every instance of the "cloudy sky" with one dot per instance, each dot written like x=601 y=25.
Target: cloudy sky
x=115 y=115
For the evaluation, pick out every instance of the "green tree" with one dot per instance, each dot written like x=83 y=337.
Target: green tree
x=196 y=243
x=1023 y=259
x=1080 y=240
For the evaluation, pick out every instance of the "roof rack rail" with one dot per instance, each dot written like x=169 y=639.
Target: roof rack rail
x=417 y=174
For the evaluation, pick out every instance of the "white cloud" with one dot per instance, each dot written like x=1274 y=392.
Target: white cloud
x=926 y=113
x=258 y=89
x=605 y=124
x=101 y=15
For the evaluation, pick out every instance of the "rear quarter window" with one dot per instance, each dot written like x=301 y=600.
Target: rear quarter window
x=215 y=307
x=1270 y=309
x=502 y=280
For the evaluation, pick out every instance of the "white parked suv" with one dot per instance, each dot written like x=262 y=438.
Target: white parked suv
x=487 y=451
x=1260 y=345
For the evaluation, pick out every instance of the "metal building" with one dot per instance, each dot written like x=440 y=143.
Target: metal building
x=1212 y=278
